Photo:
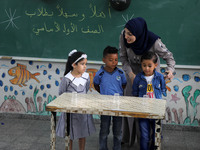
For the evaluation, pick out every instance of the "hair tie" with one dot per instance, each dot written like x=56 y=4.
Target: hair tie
x=72 y=52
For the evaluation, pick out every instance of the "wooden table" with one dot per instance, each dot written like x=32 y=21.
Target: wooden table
x=124 y=106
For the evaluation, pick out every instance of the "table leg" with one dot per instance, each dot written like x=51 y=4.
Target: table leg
x=158 y=135
x=53 y=130
x=67 y=141
x=67 y=138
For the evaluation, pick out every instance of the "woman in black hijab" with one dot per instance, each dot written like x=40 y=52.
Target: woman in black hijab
x=135 y=40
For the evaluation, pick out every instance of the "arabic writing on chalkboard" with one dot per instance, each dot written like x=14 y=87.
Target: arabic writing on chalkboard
x=68 y=27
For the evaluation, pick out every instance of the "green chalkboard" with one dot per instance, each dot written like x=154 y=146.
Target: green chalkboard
x=52 y=28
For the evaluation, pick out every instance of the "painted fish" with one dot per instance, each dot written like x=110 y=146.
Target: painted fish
x=21 y=75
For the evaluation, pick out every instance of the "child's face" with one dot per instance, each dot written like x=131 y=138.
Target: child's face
x=148 y=67
x=130 y=38
x=111 y=61
x=80 y=67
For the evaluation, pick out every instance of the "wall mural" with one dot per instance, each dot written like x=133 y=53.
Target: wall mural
x=33 y=103
x=27 y=87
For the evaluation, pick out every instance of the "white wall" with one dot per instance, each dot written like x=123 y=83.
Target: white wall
x=27 y=96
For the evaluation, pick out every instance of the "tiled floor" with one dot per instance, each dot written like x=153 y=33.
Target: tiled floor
x=19 y=133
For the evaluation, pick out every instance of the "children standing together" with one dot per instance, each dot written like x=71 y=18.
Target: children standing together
x=110 y=80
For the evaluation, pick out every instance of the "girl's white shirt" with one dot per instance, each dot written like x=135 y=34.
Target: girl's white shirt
x=78 y=81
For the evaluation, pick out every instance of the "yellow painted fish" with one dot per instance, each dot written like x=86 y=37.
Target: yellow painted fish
x=21 y=75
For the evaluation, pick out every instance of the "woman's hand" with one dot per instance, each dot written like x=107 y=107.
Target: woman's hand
x=169 y=75
x=131 y=76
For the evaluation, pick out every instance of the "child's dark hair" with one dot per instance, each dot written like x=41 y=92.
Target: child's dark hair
x=149 y=56
x=71 y=59
x=110 y=50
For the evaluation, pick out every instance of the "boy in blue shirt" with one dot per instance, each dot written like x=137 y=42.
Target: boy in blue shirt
x=150 y=83
x=108 y=81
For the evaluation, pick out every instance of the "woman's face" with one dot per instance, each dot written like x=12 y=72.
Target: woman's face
x=130 y=38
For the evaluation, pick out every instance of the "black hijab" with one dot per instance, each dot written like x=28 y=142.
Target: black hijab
x=144 y=38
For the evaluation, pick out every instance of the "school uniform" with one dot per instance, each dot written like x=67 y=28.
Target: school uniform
x=110 y=83
x=81 y=125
